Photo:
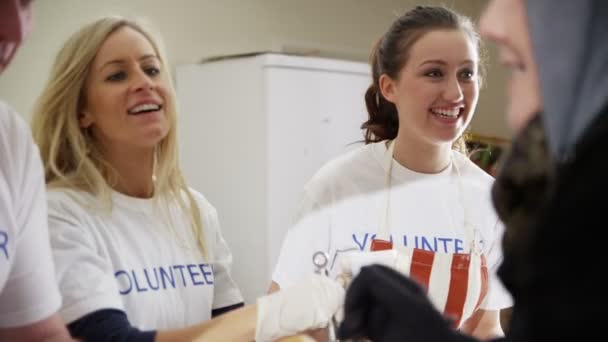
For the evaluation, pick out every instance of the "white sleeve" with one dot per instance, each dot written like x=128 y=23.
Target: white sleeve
x=498 y=297
x=30 y=293
x=225 y=290
x=309 y=234
x=86 y=279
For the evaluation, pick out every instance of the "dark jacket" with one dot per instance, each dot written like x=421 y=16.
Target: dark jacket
x=554 y=213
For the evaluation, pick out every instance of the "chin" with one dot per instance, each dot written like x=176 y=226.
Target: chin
x=153 y=138
x=442 y=140
x=448 y=137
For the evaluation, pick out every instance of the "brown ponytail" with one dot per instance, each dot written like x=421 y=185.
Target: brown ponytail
x=383 y=122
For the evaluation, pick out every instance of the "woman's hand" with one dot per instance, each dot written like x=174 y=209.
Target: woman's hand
x=307 y=305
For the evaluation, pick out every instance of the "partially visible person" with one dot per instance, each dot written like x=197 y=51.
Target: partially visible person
x=411 y=188
x=29 y=298
x=550 y=188
x=140 y=255
x=548 y=191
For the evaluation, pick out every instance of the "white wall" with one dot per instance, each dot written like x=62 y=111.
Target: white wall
x=195 y=29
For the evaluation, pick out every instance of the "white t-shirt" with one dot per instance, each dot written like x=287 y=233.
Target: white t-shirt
x=343 y=204
x=28 y=290
x=129 y=258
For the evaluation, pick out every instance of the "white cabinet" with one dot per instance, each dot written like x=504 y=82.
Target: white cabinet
x=252 y=131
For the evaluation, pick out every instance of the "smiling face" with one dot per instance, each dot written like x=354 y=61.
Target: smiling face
x=436 y=91
x=505 y=23
x=126 y=93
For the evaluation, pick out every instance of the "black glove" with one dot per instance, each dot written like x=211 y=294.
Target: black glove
x=384 y=306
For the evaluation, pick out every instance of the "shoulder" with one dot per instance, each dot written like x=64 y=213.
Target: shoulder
x=20 y=166
x=66 y=195
x=71 y=218
x=70 y=202
x=201 y=201
x=208 y=213
x=11 y=124
x=478 y=186
x=15 y=137
x=472 y=174
x=353 y=166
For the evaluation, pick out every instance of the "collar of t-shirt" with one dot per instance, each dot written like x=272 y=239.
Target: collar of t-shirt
x=402 y=173
x=145 y=205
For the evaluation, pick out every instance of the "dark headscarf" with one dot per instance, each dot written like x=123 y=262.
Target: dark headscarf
x=570 y=43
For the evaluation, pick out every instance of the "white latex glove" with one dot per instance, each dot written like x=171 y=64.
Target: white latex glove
x=307 y=305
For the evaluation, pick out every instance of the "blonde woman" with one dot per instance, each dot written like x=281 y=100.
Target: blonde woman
x=139 y=254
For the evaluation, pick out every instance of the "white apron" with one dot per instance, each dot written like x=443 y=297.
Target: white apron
x=456 y=283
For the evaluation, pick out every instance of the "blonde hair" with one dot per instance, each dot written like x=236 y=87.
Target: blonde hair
x=72 y=158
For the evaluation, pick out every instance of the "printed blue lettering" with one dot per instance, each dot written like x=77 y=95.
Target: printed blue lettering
x=458 y=246
x=445 y=243
x=181 y=271
x=164 y=275
x=148 y=279
x=159 y=278
x=426 y=245
x=137 y=284
x=193 y=274
x=207 y=273
x=4 y=242
x=430 y=243
x=361 y=246
x=121 y=272
x=433 y=244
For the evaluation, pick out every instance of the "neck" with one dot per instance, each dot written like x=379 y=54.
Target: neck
x=419 y=156
x=134 y=168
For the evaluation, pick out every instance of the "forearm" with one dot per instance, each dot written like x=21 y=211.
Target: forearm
x=51 y=329
x=237 y=325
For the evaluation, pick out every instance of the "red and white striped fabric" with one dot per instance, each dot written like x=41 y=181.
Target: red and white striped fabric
x=456 y=283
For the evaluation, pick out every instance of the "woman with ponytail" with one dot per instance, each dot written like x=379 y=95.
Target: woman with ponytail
x=410 y=198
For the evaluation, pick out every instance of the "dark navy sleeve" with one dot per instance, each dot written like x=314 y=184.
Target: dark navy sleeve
x=225 y=309
x=108 y=325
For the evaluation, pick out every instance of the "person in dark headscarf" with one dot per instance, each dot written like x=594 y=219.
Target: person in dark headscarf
x=548 y=192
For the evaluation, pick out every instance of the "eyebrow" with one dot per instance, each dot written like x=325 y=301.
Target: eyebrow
x=121 y=61
x=441 y=62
